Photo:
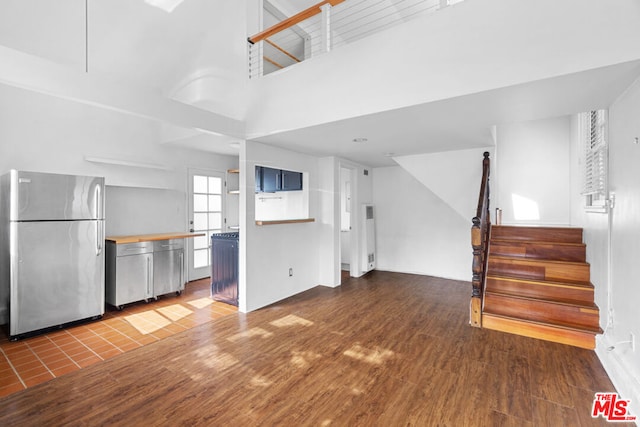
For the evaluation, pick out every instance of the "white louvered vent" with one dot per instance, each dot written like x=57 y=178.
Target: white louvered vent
x=594 y=137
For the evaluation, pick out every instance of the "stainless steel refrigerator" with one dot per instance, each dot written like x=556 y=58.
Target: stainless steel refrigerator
x=51 y=255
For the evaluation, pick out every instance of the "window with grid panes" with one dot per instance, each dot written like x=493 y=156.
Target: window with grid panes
x=207 y=215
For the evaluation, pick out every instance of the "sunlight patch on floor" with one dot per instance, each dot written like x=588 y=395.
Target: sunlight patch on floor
x=250 y=333
x=356 y=391
x=175 y=311
x=260 y=381
x=201 y=302
x=147 y=321
x=291 y=320
x=221 y=362
x=302 y=359
x=376 y=356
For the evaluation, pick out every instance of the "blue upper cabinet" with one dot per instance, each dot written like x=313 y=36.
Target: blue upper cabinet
x=269 y=180
x=290 y=181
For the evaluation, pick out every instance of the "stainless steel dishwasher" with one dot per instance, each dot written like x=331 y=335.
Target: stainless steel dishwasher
x=168 y=267
x=129 y=272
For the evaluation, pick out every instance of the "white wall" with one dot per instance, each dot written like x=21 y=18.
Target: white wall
x=468 y=48
x=416 y=231
x=345 y=199
x=49 y=134
x=329 y=222
x=268 y=252
x=131 y=210
x=623 y=364
x=454 y=176
x=533 y=178
x=283 y=204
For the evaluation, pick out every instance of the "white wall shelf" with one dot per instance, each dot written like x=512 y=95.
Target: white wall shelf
x=128 y=163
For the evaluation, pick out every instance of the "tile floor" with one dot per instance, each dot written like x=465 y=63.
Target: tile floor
x=32 y=361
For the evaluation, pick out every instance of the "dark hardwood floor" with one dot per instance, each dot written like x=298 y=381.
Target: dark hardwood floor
x=387 y=349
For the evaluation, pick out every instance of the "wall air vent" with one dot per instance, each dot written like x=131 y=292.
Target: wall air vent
x=368 y=250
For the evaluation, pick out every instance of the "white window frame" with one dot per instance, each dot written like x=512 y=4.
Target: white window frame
x=594 y=136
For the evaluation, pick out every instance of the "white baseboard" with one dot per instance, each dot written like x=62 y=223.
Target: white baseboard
x=621 y=375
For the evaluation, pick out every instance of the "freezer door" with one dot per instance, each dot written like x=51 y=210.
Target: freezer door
x=57 y=273
x=45 y=196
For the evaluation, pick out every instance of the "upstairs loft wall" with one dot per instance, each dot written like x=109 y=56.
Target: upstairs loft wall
x=468 y=48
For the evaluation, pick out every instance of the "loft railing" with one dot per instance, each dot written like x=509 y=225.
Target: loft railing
x=326 y=25
x=291 y=40
x=480 y=231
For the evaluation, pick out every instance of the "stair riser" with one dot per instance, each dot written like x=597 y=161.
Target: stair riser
x=543 y=332
x=546 y=291
x=538 y=270
x=537 y=234
x=538 y=251
x=540 y=311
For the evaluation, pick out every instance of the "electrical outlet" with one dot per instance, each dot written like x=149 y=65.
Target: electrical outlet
x=632 y=338
x=290 y=272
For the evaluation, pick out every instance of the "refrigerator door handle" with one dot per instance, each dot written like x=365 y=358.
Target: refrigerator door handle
x=98 y=216
x=98 y=205
x=98 y=238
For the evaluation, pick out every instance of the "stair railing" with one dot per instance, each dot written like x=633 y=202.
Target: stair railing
x=480 y=231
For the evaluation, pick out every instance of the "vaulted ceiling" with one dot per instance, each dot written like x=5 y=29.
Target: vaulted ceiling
x=194 y=51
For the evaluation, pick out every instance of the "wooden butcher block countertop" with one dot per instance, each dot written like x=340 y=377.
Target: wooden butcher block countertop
x=151 y=237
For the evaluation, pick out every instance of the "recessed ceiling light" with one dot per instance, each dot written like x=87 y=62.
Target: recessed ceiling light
x=234 y=144
x=389 y=154
x=360 y=139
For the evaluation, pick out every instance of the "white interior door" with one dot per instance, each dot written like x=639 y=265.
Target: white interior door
x=206 y=215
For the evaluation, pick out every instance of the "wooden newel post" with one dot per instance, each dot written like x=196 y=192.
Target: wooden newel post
x=475 y=308
x=479 y=242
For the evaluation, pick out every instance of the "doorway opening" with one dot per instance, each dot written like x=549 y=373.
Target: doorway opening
x=345 y=219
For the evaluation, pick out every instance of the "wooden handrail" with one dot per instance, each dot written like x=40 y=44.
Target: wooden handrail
x=290 y=22
x=282 y=50
x=480 y=231
x=266 y=58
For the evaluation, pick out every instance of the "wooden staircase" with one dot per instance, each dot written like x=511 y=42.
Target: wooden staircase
x=538 y=285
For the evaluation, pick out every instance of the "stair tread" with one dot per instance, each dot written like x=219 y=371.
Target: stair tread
x=560 y=325
x=534 y=242
x=535 y=233
x=536 y=260
x=516 y=276
x=538 y=227
x=558 y=301
x=586 y=285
